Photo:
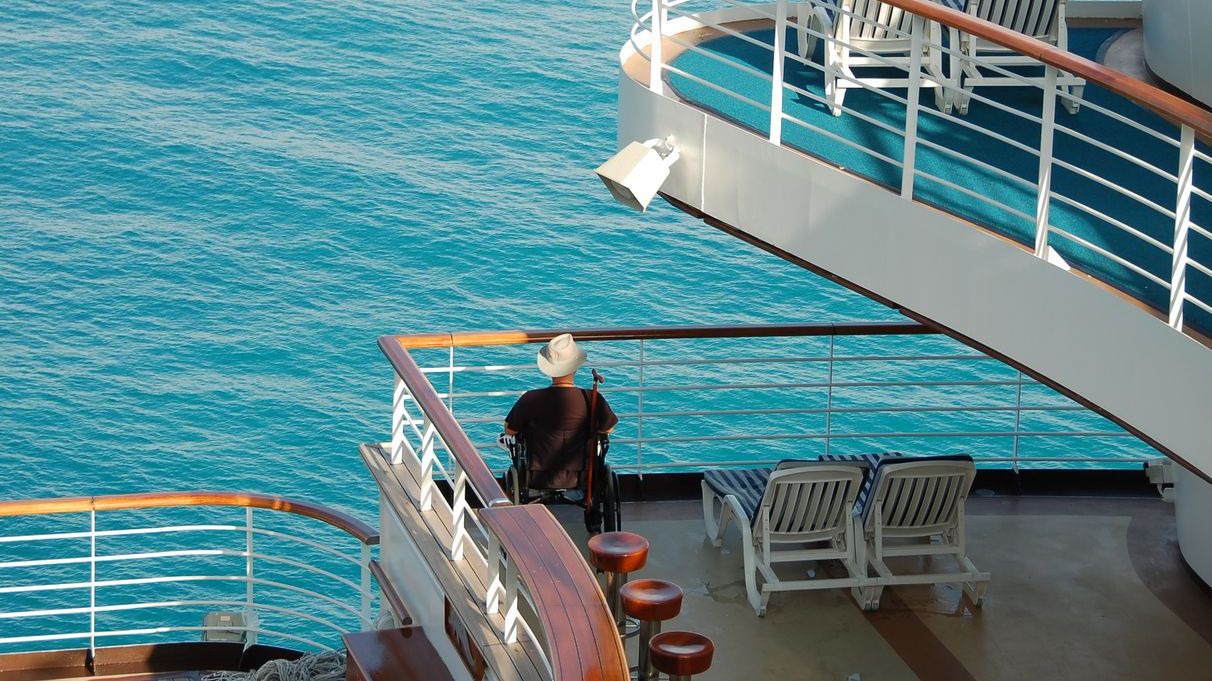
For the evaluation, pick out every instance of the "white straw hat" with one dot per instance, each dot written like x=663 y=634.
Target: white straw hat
x=561 y=356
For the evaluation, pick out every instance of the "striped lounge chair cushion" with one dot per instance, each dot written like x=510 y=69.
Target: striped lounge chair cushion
x=747 y=485
x=876 y=461
x=872 y=461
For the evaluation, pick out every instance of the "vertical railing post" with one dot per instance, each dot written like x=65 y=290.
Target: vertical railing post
x=92 y=583
x=450 y=396
x=428 y=459
x=496 y=589
x=398 y=416
x=511 y=603
x=1182 y=225
x=639 y=421
x=656 y=68
x=450 y=372
x=1018 y=430
x=458 y=509
x=776 y=73
x=918 y=28
x=364 y=562
x=249 y=600
x=1018 y=419
x=829 y=399
x=1043 y=198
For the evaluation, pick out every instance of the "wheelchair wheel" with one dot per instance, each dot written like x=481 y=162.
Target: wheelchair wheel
x=612 y=511
x=513 y=487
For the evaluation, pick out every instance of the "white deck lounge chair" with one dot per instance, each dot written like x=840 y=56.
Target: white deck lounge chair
x=916 y=508
x=881 y=34
x=779 y=511
x=1041 y=19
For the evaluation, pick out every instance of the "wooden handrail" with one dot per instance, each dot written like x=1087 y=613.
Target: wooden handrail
x=1171 y=107
x=390 y=594
x=457 y=443
x=114 y=502
x=521 y=337
x=582 y=641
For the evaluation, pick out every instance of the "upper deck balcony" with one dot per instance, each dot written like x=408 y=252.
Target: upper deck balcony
x=1057 y=221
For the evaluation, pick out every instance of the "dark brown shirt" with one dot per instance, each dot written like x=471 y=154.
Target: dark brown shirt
x=558 y=408
x=554 y=423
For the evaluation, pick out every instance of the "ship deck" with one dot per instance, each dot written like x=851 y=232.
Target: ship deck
x=1082 y=588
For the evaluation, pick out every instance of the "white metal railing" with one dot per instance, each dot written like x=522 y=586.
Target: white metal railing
x=432 y=447
x=758 y=401
x=107 y=570
x=731 y=396
x=1132 y=228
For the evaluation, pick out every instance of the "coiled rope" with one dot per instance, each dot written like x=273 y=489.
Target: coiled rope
x=328 y=666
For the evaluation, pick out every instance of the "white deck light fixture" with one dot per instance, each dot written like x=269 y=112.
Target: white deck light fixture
x=636 y=173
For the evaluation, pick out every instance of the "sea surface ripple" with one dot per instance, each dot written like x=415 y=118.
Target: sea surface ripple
x=210 y=210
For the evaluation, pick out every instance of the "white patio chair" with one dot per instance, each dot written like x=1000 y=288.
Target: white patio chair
x=800 y=502
x=916 y=508
x=868 y=34
x=1041 y=19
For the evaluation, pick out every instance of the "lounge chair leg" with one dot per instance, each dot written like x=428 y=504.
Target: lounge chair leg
x=804 y=41
x=975 y=591
x=1073 y=105
x=872 y=602
x=755 y=598
x=710 y=524
x=836 y=98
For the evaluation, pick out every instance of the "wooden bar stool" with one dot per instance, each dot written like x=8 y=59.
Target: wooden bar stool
x=681 y=654
x=651 y=601
x=617 y=554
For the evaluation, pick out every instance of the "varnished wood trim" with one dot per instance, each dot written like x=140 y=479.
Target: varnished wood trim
x=457 y=442
x=342 y=521
x=1175 y=109
x=582 y=642
x=520 y=337
x=390 y=594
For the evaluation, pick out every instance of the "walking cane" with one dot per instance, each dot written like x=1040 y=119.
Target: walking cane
x=592 y=447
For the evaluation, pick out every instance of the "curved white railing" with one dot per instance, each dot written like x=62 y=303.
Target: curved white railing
x=125 y=568
x=1142 y=239
x=699 y=403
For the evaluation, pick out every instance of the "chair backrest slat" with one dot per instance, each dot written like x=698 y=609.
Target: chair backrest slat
x=1036 y=18
x=920 y=494
x=877 y=20
x=807 y=516
x=810 y=498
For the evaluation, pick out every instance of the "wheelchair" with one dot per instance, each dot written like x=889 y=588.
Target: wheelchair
x=530 y=480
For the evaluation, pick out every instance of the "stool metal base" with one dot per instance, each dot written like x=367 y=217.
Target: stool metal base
x=645 y=670
x=627 y=626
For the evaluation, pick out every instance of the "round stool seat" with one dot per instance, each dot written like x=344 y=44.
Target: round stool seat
x=651 y=600
x=681 y=653
x=621 y=552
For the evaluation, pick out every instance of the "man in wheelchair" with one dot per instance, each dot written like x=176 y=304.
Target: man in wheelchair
x=557 y=437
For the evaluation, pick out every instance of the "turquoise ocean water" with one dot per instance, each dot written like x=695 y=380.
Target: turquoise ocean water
x=210 y=210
